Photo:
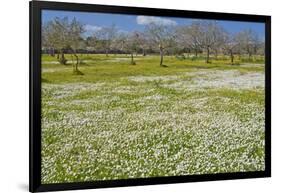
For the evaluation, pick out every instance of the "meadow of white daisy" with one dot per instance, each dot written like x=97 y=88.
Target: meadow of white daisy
x=120 y=121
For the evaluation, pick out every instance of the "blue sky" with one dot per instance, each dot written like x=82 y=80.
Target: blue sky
x=127 y=23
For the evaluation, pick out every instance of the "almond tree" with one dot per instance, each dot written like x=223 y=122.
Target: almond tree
x=159 y=36
x=247 y=39
x=210 y=34
x=182 y=38
x=90 y=44
x=188 y=37
x=132 y=44
x=56 y=34
x=144 y=45
x=194 y=37
x=65 y=35
x=107 y=35
x=120 y=41
x=256 y=43
x=76 y=29
x=46 y=42
x=229 y=45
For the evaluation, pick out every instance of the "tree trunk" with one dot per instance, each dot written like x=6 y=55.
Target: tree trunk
x=75 y=67
x=72 y=60
x=61 y=58
x=249 y=53
x=216 y=54
x=76 y=71
x=208 y=55
x=161 y=56
x=143 y=52
x=132 y=59
x=49 y=51
x=106 y=52
x=232 y=57
x=196 y=52
x=52 y=52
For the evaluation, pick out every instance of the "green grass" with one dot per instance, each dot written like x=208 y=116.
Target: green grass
x=122 y=121
x=102 y=68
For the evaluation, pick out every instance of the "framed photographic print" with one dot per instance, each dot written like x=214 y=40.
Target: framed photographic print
x=123 y=96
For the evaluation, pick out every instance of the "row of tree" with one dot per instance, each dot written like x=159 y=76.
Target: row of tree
x=62 y=35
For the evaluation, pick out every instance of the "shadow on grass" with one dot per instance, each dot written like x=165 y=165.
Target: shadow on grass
x=199 y=66
x=45 y=80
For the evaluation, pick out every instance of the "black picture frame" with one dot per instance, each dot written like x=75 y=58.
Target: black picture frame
x=35 y=95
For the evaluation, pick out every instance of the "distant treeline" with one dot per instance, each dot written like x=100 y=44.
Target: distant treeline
x=62 y=35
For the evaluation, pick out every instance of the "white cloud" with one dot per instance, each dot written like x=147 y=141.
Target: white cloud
x=145 y=20
x=92 y=28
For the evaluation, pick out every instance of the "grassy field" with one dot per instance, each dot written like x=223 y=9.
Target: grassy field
x=132 y=121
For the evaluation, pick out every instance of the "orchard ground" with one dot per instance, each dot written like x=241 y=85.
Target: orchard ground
x=121 y=121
